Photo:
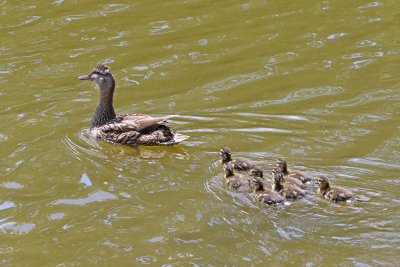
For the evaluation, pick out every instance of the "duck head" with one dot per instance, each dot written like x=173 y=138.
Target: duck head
x=282 y=164
x=256 y=172
x=228 y=168
x=277 y=174
x=323 y=182
x=225 y=153
x=258 y=183
x=102 y=76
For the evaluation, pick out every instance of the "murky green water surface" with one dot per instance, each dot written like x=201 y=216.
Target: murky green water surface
x=316 y=82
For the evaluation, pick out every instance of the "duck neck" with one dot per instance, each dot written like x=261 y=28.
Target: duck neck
x=259 y=189
x=277 y=186
x=228 y=173
x=285 y=170
x=227 y=158
x=104 y=111
x=324 y=187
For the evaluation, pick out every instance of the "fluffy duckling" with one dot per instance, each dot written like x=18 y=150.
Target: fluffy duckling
x=240 y=164
x=334 y=193
x=127 y=129
x=264 y=195
x=287 y=190
x=300 y=175
x=257 y=172
x=236 y=181
x=292 y=180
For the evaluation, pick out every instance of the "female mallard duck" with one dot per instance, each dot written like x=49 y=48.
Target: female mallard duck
x=287 y=190
x=302 y=176
x=240 y=164
x=236 y=181
x=335 y=193
x=257 y=172
x=127 y=129
x=264 y=195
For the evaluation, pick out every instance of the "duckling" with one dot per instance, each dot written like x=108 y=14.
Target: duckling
x=257 y=172
x=291 y=180
x=264 y=195
x=236 y=181
x=240 y=164
x=287 y=190
x=300 y=175
x=334 y=193
x=127 y=129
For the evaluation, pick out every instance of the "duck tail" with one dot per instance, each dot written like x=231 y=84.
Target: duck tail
x=180 y=137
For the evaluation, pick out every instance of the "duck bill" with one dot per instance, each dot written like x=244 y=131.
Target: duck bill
x=85 y=77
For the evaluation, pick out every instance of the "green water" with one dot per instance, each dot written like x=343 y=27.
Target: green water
x=316 y=82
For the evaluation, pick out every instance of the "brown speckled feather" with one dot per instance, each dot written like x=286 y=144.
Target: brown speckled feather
x=136 y=129
x=336 y=193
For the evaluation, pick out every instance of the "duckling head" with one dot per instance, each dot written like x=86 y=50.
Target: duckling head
x=258 y=183
x=256 y=172
x=323 y=182
x=228 y=168
x=226 y=153
x=277 y=174
x=282 y=164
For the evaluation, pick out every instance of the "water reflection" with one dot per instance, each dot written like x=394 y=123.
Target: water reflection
x=315 y=82
x=87 y=145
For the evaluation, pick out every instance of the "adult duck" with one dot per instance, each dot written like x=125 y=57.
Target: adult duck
x=126 y=129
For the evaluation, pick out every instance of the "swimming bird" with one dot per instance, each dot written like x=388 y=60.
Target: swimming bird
x=257 y=172
x=267 y=196
x=287 y=190
x=240 y=164
x=130 y=128
x=300 y=175
x=236 y=181
x=334 y=193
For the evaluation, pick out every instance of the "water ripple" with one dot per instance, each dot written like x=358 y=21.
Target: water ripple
x=94 y=197
x=233 y=81
x=301 y=95
x=379 y=95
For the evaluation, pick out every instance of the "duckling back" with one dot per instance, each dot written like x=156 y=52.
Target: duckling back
x=234 y=180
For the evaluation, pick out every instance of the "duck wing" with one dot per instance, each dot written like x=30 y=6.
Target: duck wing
x=138 y=129
x=339 y=194
x=242 y=164
x=300 y=175
x=139 y=122
x=270 y=197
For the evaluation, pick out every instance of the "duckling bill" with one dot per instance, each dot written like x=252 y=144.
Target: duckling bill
x=127 y=129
